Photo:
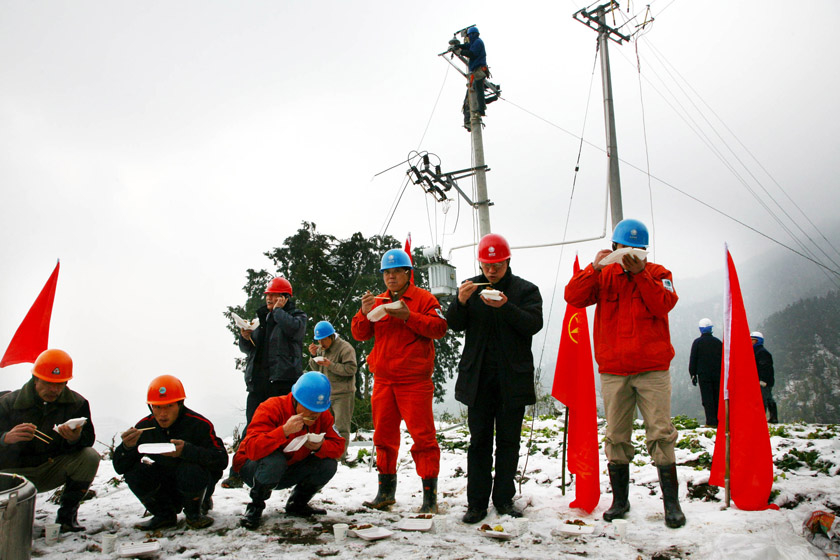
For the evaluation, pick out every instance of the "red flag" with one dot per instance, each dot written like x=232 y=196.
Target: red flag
x=574 y=386
x=410 y=258
x=33 y=334
x=750 y=455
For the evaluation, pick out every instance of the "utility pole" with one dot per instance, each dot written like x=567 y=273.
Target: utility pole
x=596 y=19
x=483 y=205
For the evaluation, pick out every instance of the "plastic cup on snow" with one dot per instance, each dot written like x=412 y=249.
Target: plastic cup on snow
x=440 y=524
x=620 y=526
x=109 y=544
x=340 y=532
x=521 y=526
x=51 y=533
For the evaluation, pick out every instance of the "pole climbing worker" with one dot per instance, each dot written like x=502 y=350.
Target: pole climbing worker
x=477 y=71
x=402 y=362
x=633 y=349
x=704 y=366
x=495 y=374
x=336 y=358
x=174 y=480
x=31 y=448
x=275 y=353
x=281 y=452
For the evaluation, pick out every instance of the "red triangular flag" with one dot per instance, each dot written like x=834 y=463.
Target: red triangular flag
x=750 y=455
x=33 y=334
x=410 y=258
x=574 y=386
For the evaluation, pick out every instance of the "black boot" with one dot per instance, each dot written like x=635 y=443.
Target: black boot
x=298 y=502
x=429 y=496
x=163 y=513
x=71 y=497
x=774 y=413
x=385 y=494
x=196 y=519
x=253 y=513
x=674 y=517
x=474 y=515
x=620 y=482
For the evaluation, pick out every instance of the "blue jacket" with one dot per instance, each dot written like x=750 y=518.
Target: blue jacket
x=474 y=50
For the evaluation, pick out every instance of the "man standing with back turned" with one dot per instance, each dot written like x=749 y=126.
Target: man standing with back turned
x=496 y=373
x=633 y=349
x=704 y=366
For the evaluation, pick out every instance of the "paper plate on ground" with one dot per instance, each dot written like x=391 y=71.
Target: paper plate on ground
x=373 y=534
x=138 y=550
x=378 y=312
x=575 y=529
x=501 y=535
x=495 y=295
x=411 y=524
x=156 y=448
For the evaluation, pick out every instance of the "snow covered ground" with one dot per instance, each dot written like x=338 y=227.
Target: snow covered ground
x=807 y=458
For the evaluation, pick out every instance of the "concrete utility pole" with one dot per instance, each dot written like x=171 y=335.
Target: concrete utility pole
x=483 y=203
x=597 y=19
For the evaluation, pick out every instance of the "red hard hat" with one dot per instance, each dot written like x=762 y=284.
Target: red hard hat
x=279 y=285
x=54 y=366
x=493 y=248
x=165 y=389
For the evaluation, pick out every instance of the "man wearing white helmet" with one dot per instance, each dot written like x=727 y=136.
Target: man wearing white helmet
x=704 y=367
x=336 y=358
x=633 y=349
x=766 y=376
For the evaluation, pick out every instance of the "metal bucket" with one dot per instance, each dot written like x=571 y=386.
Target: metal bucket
x=17 y=514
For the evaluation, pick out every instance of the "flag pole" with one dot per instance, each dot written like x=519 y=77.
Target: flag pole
x=728 y=442
x=565 y=440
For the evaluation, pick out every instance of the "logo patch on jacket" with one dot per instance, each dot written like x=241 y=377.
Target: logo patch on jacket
x=440 y=313
x=668 y=285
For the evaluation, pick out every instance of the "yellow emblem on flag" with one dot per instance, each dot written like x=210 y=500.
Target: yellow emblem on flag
x=573 y=331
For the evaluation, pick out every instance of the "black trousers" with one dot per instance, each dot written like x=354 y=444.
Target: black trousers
x=490 y=417
x=710 y=395
x=273 y=471
x=163 y=488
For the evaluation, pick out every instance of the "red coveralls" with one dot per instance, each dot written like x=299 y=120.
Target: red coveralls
x=402 y=362
x=265 y=434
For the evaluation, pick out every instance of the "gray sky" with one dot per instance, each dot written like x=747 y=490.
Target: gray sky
x=159 y=148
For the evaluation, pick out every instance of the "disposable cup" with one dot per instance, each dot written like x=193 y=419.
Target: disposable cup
x=440 y=524
x=620 y=528
x=521 y=526
x=340 y=531
x=109 y=543
x=51 y=533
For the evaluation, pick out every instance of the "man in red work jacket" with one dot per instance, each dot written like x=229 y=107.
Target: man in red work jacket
x=267 y=458
x=633 y=350
x=402 y=362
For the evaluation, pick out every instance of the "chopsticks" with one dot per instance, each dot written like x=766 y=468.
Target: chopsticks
x=42 y=436
x=146 y=429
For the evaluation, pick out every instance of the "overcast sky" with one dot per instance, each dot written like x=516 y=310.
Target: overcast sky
x=159 y=148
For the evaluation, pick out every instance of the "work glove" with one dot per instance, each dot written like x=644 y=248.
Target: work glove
x=694 y=380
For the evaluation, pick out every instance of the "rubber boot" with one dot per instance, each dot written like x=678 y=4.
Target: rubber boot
x=620 y=482
x=298 y=502
x=774 y=413
x=196 y=519
x=163 y=513
x=429 y=496
x=253 y=513
x=385 y=494
x=674 y=517
x=67 y=513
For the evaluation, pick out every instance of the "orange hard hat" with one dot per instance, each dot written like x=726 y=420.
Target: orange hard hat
x=54 y=366
x=165 y=389
x=279 y=285
x=493 y=248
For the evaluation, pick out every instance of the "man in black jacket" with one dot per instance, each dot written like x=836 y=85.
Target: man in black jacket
x=704 y=366
x=495 y=374
x=30 y=447
x=275 y=353
x=766 y=376
x=167 y=481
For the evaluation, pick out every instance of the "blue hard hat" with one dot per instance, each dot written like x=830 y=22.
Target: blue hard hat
x=323 y=329
x=395 y=258
x=472 y=30
x=631 y=233
x=312 y=390
x=705 y=325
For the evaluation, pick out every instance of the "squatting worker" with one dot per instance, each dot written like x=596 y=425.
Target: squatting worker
x=633 y=350
x=402 y=362
x=496 y=373
x=268 y=460
x=275 y=353
x=31 y=448
x=182 y=479
x=336 y=358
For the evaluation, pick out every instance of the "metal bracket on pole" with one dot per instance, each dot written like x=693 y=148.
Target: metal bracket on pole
x=592 y=19
x=437 y=183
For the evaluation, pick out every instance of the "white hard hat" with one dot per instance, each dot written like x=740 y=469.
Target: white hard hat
x=756 y=334
x=705 y=322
